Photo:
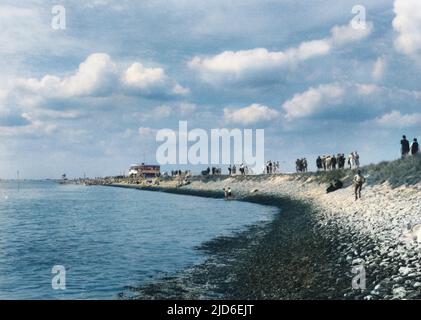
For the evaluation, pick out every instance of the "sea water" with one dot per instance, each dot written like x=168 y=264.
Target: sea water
x=103 y=239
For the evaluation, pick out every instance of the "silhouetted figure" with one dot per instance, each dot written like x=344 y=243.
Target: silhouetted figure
x=319 y=164
x=404 y=147
x=297 y=165
x=415 y=148
x=334 y=161
x=342 y=161
x=304 y=164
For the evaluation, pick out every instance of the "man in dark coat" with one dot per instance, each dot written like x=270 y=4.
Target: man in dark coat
x=404 y=147
x=415 y=148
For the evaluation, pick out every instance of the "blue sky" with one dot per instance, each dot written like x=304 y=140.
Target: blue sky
x=90 y=98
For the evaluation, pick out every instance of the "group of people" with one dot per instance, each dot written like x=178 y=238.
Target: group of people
x=409 y=149
x=215 y=171
x=301 y=165
x=242 y=168
x=271 y=167
x=228 y=195
x=338 y=162
x=177 y=173
x=357 y=181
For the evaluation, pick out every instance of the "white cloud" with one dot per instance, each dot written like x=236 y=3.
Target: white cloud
x=358 y=96
x=342 y=35
x=97 y=76
x=395 y=119
x=252 y=114
x=407 y=23
x=379 y=69
x=236 y=64
x=93 y=76
x=41 y=105
x=143 y=78
x=313 y=100
x=256 y=59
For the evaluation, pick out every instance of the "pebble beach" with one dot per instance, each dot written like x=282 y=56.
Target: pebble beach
x=316 y=248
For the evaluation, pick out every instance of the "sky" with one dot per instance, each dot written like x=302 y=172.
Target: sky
x=89 y=98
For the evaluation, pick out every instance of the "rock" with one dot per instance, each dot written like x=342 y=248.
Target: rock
x=358 y=261
x=383 y=264
x=399 y=293
x=404 y=271
x=412 y=295
x=397 y=279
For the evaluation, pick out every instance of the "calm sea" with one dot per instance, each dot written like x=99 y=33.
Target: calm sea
x=105 y=238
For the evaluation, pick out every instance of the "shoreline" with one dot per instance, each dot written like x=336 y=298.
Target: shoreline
x=311 y=249
x=258 y=263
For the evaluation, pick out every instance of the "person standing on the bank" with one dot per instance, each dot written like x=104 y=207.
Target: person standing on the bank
x=404 y=147
x=358 y=184
x=415 y=148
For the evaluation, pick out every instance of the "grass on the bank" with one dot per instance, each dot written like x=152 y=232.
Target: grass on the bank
x=325 y=176
x=396 y=173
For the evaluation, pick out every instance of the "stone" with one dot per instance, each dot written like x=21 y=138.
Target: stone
x=404 y=271
x=399 y=293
